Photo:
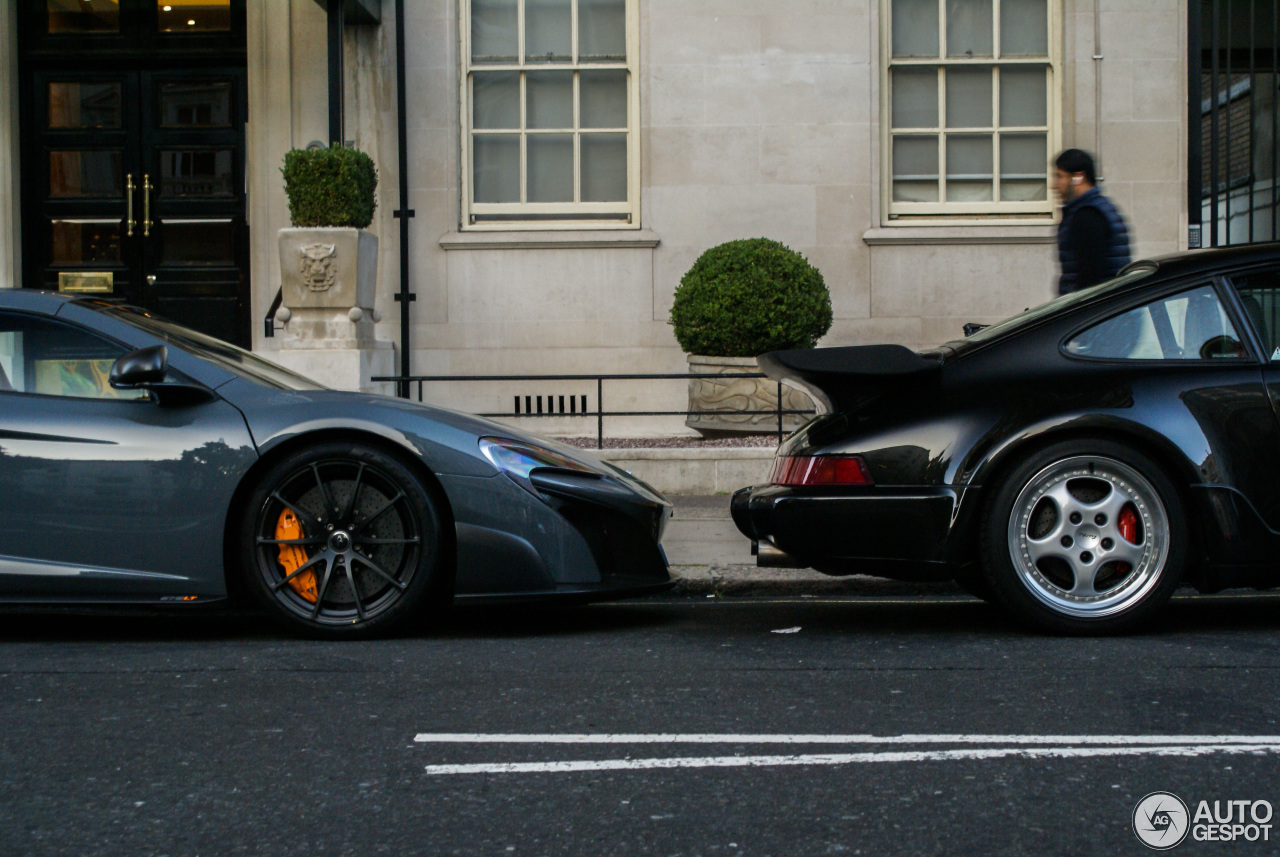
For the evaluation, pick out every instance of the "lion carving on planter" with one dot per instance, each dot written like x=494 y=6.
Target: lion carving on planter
x=316 y=266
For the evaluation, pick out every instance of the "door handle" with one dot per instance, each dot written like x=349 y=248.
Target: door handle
x=129 y=222
x=146 y=205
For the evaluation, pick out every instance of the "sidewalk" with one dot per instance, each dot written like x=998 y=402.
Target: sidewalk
x=709 y=556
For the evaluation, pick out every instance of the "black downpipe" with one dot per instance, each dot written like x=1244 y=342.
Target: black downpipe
x=336 y=93
x=1195 y=122
x=404 y=212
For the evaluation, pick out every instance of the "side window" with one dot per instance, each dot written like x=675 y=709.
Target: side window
x=1190 y=325
x=47 y=357
x=1260 y=295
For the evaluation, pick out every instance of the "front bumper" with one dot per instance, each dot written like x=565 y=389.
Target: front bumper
x=578 y=537
x=896 y=532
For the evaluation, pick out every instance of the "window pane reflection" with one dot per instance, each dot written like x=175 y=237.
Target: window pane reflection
x=550 y=168
x=194 y=104
x=83 y=16
x=191 y=16
x=85 y=242
x=602 y=30
x=494 y=28
x=497 y=168
x=84 y=105
x=196 y=172
x=604 y=168
x=86 y=173
x=546 y=31
x=604 y=98
x=198 y=242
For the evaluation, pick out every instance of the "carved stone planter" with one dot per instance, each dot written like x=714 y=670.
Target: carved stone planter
x=730 y=400
x=334 y=268
x=328 y=278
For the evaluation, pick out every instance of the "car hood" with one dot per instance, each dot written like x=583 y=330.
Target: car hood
x=445 y=439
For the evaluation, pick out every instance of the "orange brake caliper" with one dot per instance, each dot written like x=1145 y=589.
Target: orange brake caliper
x=292 y=557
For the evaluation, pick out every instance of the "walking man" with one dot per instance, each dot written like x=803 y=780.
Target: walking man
x=1093 y=242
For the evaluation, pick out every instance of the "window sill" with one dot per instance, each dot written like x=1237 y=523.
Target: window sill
x=549 y=240
x=954 y=234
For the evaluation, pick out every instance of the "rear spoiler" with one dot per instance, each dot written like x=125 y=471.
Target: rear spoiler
x=837 y=377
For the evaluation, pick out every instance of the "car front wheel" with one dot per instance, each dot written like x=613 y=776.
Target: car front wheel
x=1085 y=537
x=341 y=540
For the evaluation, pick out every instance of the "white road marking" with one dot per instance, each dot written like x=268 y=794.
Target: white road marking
x=850 y=758
x=734 y=738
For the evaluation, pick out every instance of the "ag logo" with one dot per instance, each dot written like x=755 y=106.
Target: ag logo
x=1161 y=820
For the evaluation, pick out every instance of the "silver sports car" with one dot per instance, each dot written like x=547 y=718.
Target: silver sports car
x=144 y=463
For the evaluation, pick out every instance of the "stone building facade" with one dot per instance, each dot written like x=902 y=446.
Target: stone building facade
x=553 y=220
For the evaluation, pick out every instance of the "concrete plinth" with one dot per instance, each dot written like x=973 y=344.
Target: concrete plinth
x=343 y=368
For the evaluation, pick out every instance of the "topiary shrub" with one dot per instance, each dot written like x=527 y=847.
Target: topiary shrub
x=743 y=298
x=330 y=187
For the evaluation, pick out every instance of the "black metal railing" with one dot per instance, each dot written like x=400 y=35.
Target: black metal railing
x=403 y=384
x=269 y=320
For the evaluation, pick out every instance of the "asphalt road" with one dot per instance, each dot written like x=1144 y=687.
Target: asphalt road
x=219 y=736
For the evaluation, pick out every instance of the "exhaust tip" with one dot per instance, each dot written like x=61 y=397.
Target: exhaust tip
x=768 y=555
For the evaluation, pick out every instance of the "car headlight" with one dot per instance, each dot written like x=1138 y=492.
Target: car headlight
x=518 y=459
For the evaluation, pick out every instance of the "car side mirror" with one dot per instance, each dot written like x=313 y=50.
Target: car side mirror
x=139 y=368
x=145 y=369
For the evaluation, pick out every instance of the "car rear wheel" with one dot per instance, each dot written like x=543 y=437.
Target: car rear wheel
x=1085 y=537
x=341 y=540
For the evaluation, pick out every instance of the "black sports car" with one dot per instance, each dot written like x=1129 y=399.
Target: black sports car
x=141 y=462
x=1075 y=463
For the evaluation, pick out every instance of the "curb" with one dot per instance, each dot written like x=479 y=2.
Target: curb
x=742 y=581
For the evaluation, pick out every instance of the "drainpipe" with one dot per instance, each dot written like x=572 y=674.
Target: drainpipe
x=403 y=213
x=337 y=23
x=1097 y=86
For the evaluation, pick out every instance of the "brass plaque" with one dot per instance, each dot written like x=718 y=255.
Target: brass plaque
x=86 y=282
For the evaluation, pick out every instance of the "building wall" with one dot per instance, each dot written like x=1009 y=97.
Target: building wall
x=757 y=118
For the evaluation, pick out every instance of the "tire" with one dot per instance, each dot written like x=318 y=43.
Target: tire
x=364 y=529
x=1057 y=535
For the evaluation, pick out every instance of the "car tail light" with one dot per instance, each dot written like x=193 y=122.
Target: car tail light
x=820 y=470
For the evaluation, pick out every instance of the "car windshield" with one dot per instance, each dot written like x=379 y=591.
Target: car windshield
x=223 y=354
x=1029 y=317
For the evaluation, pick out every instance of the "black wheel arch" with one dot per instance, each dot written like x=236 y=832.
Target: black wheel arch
x=430 y=483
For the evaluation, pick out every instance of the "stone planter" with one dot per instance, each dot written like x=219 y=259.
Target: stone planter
x=330 y=268
x=328 y=278
x=730 y=400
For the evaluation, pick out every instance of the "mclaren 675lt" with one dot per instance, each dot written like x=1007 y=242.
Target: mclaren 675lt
x=144 y=463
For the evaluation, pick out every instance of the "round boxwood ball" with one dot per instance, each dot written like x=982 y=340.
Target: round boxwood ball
x=743 y=298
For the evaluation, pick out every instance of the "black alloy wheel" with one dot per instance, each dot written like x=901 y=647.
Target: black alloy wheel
x=1085 y=537
x=341 y=540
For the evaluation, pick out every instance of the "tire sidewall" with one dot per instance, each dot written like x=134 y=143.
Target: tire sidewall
x=998 y=567
x=426 y=582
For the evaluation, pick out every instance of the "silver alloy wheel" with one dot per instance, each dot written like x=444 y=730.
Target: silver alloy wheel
x=1065 y=537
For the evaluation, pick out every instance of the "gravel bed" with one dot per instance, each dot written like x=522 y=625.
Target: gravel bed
x=764 y=441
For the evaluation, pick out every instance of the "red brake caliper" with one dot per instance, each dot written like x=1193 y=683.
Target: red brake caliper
x=1127 y=524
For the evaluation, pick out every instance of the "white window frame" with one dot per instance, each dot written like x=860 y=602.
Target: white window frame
x=968 y=213
x=557 y=215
